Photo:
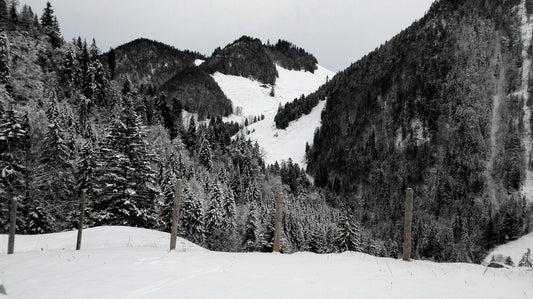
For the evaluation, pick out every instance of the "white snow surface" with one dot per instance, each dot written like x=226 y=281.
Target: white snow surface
x=253 y=99
x=97 y=238
x=197 y=62
x=514 y=249
x=107 y=267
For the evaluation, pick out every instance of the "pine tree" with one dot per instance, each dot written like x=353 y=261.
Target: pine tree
x=250 y=233
x=93 y=50
x=39 y=220
x=192 y=219
x=51 y=26
x=55 y=174
x=3 y=11
x=12 y=136
x=214 y=220
x=126 y=178
x=5 y=60
x=205 y=155
x=348 y=235
x=86 y=170
x=229 y=212
x=266 y=237
x=526 y=260
x=190 y=137
x=26 y=16
x=71 y=71
x=112 y=62
x=13 y=16
x=166 y=198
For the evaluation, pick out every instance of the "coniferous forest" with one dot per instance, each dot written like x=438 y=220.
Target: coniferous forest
x=75 y=120
x=416 y=112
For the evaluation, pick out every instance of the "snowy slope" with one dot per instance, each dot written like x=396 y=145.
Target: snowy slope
x=253 y=98
x=514 y=249
x=97 y=238
x=118 y=271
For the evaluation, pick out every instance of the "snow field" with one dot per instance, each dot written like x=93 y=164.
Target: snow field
x=254 y=99
x=514 y=249
x=107 y=268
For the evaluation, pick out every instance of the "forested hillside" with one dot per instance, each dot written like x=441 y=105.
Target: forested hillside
x=249 y=57
x=437 y=108
x=68 y=127
x=148 y=62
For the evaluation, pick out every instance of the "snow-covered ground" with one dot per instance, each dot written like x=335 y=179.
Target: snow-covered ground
x=253 y=98
x=97 y=238
x=514 y=249
x=119 y=262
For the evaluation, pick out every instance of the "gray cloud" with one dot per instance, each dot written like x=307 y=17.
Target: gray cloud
x=337 y=32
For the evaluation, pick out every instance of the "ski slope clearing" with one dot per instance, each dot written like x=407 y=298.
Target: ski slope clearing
x=251 y=98
x=514 y=249
x=107 y=268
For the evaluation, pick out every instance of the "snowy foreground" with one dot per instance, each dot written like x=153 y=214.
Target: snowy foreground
x=118 y=262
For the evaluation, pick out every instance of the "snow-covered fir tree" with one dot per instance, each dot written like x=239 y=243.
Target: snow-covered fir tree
x=126 y=178
x=526 y=260
x=192 y=218
x=348 y=235
x=250 y=233
x=205 y=154
x=12 y=136
x=215 y=223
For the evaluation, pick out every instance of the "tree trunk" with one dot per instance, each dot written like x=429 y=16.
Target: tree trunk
x=175 y=215
x=277 y=227
x=81 y=220
x=12 y=225
x=407 y=225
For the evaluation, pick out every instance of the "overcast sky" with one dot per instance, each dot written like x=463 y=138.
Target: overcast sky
x=337 y=32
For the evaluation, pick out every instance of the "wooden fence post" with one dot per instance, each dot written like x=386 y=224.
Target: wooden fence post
x=12 y=226
x=407 y=226
x=277 y=227
x=81 y=220
x=175 y=215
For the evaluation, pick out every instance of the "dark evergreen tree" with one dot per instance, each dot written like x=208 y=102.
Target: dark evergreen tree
x=13 y=16
x=5 y=59
x=166 y=197
x=126 y=178
x=12 y=136
x=250 y=234
x=190 y=137
x=3 y=11
x=51 y=26
x=112 y=62
x=205 y=154
x=230 y=212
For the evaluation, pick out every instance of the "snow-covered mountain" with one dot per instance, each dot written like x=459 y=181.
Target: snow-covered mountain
x=135 y=263
x=251 y=98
